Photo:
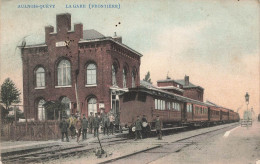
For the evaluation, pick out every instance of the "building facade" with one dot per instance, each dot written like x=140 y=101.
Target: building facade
x=83 y=69
x=182 y=87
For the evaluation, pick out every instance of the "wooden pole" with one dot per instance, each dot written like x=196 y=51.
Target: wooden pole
x=77 y=98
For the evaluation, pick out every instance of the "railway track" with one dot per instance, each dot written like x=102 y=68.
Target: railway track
x=61 y=151
x=164 y=148
x=56 y=152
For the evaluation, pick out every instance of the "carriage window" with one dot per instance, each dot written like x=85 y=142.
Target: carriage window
x=168 y=105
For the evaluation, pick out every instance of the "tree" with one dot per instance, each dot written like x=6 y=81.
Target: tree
x=147 y=78
x=3 y=113
x=9 y=94
x=53 y=108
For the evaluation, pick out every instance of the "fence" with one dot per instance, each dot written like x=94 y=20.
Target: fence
x=30 y=131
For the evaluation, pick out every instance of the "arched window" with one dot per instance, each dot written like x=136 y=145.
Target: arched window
x=92 y=106
x=91 y=74
x=40 y=77
x=41 y=110
x=66 y=101
x=64 y=73
x=124 y=78
x=114 y=71
x=133 y=79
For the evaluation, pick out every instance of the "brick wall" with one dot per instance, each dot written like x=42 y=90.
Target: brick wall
x=103 y=53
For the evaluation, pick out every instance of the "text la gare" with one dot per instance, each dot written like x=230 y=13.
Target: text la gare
x=76 y=6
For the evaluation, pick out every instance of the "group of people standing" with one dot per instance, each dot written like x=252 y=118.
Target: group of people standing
x=76 y=125
x=142 y=128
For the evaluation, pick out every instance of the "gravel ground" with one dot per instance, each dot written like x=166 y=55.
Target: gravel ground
x=130 y=146
x=242 y=146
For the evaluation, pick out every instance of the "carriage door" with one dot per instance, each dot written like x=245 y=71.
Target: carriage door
x=183 y=113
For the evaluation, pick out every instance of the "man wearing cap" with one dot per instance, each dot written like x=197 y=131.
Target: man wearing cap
x=91 y=122
x=158 y=127
x=112 y=121
x=106 y=124
x=64 y=129
x=102 y=118
x=138 y=128
x=84 y=127
x=96 y=124
x=144 y=126
x=72 y=126
x=78 y=127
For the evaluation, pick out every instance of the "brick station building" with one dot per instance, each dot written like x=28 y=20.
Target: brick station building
x=99 y=68
x=182 y=87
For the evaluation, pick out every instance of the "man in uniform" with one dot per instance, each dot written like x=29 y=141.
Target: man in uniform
x=138 y=128
x=117 y=122
x=64 y=129
x=91 y=121
x=144 y=126
x=96 y=125
x=106 y=124
x=158 y=127
x=84 y=127
x=102 y=118
x=112 y=122
x=72 y=121
x=78 y=127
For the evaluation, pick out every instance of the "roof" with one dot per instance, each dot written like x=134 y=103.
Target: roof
x=211 y=103
x=182 y=82
x=168 y=80
x=88 y=36
x=146 y=84
x=110 y=39
x=152 y=90
x=172 y=87
x=92 y=34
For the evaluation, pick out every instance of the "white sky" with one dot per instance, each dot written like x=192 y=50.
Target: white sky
x=215 y=42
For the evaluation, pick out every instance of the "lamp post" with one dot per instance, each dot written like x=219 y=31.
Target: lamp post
x=247 y=102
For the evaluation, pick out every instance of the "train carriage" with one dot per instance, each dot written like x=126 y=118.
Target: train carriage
x=224 y=115
x=200 y=113
x=214 y=114
x=173 y=109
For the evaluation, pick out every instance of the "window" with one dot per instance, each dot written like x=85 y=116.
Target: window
x=40 y=77
x=92 y=106
x=67 y=105
x=114 y=75
x=168 y=105
x=41 y=110
x=133 y=79
x=124 y=78
x=163 y=105
x=64 y=73
x=155 y=104
x=91 y=74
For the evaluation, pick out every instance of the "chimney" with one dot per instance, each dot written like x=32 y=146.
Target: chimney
x=186 y=79
x=63 y=22
x=117 y=38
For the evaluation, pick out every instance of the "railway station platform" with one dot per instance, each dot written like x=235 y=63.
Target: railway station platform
x=16 y=146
